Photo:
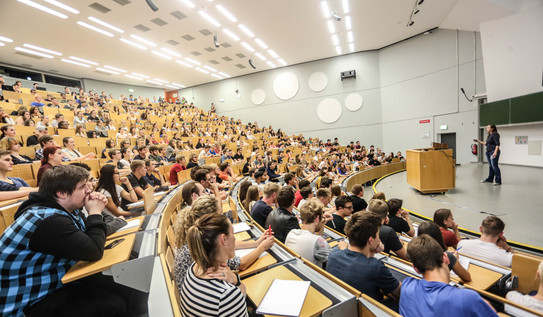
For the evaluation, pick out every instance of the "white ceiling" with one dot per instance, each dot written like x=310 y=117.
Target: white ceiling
x=295 y=29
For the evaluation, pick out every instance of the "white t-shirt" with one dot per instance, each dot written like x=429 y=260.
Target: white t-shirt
x=119 y=190
x=524 y=300
x=310 y=246
x=486 y=251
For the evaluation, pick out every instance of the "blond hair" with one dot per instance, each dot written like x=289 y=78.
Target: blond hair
x=310 y=210
x=202 y=239
x=186 y=218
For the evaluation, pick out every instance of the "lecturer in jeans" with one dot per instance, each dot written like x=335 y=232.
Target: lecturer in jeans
x=492 y=155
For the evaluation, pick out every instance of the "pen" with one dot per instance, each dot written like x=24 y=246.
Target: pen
x=269 y=230
x=459 y=248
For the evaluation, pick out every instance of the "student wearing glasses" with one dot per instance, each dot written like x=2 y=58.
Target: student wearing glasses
x=344 y=208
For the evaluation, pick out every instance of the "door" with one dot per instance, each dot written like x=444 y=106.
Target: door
x=450 y=140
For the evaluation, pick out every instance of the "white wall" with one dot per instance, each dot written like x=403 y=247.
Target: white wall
x=118 y=89
x=517 y=154
x=513 y=51
x=28 y=84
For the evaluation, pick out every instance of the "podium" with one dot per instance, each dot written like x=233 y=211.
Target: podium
x=431 y=170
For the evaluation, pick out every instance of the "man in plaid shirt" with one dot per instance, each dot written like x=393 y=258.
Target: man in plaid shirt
x=48 y=237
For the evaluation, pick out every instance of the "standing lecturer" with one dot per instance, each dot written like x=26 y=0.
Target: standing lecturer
x=492 y=155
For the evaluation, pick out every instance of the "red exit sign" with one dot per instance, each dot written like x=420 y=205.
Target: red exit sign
x=424 y=121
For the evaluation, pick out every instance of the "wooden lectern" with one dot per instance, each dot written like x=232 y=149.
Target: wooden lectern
x=431 y=170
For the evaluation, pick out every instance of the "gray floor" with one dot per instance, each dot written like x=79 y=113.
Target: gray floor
x=518 y=202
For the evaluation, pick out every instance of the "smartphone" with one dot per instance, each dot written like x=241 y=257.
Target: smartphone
x=114 y=244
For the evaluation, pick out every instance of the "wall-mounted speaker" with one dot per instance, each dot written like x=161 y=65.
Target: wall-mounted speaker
x=348 y=74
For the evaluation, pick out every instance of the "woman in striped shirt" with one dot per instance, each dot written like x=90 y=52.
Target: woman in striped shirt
x=210 y=288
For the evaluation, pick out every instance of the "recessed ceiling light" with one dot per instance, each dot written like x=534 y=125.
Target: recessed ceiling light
x=107 y=71
x=74 y=62
x=210 y=68
x=247 y=46
x=140 y=75
x=107 y=25
x=161 y=55
x=95 y=29
x=231 y=34
x=282 y=62
x=115 y=68
x=2 y=44
x=184 y=64
x=217 y=76
x=21 y=49
x=261 y=44
x=348 y=22
x=83 y=60
x=325 y=9
x=188 y=3
x=351 y=47
x=338 y=50
x=6 y=39
x=226 y=13
x=174 y=87
x=272 y=65
x=335 y=40
x=135 y=37
x=350 y=37
x=201 y=70
x=41 y=49
x=180 y=85
x=345 y=4
x=261 y=57
x=273 y=54
x=209 y=18
x=43 y=8
x=62 y=6
x=224 y=75
x=161 y=80
x=134 y=77
x=154 y=82
x=246 y=30
x=133 y=44
x=193 y=61
x=331 y=27
x=171 y=52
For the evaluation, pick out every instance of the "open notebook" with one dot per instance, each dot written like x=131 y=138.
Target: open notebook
x=276 y=303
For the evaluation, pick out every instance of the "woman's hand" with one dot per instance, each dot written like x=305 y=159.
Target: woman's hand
x=223 y=273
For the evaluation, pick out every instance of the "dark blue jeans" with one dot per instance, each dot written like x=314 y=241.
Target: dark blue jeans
x=494 y=173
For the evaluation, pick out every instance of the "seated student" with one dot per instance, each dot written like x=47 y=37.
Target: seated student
x=137 y=181
x=272 y=171
x=107 y=186
x=48 y=237
x=52 y=156
x=210 y=286
x=115 y=160
x=491 y=246
x=301 y=184
x=283 y=219
x=251 y=196
x=398 y=218
x=71 y=153
x=191 y=191
x=13 y=146
x=291 y=180
x=431 y=229
x=308 y=241
x=180 y=165
x=444 y=219
x=433 y=296
x=127 y=156
x=306 y=193
x=358 y=201
x=260 y=178
x=534 y=302
x=193 y=161
x=45 y=141
x=357 y=266
x=150 y=178
x=14 y=184
x=33 y=139
x=344 y=208
x=143 y=153
x=263 y=207
x=154 y=154
x=387 y=235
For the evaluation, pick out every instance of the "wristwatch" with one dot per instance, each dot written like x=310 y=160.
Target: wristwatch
x=239 y=281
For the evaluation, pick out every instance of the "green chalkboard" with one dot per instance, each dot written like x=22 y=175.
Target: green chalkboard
x=528 y=108
x=494 y=113
x=523 y=109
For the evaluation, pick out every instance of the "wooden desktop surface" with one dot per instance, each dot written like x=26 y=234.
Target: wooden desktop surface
x=257 y=286
x=242 y=236
x=127 y=231
x=118 y=254
x=258 y=265
x=481 y=278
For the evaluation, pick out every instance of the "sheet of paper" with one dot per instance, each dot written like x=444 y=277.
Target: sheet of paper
x=276 y=303
x=242 y=226
x=464 y=261
x=243 y=252
x=130 y=224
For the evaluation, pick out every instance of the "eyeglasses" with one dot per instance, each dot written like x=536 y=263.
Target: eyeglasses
x=348 y=207
x=117 y=173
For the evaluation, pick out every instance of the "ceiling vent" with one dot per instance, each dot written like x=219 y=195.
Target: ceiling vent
x=196 y=53
x=226 y=58
x=209 y=49
x=226 y=45
x=141 y=27
x=214 y=62
x=240 y=66
x=187 y=37
x=159 y=22
x=206 y=32
x=100 y=8
x=178 y=15
x=172 y=42
x=240 y=55
x=122 y=2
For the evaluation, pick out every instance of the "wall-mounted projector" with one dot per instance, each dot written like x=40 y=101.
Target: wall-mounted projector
x=348 y=74
x=479 y=96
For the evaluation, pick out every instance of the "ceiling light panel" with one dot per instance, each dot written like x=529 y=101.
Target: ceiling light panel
x=170 y=52
x=325 y=9
x=133 y=77
x=161 y=80
x=261 y=44
x=133 y=44
x=74 y=62
x=26 y=50
x=115 y=69
x=135 y=37
x=338 y=50
x=41 y=49
x=193 y=61
x=273 y=54
x=107 y=25
x=210 y=68
x=107 y=71
x=226 y=13
x=95 y=29
x=154 y=82
x=271 y=64
x=83 y=60
x=6 y=39
x=247 y=46
x=201 y=70
x=231 y=34
x=335 y=40
x=140 y=75
x=174 y=87
x=331 y=27
x=180 y=85
x=184 y=64
x=217 y=76
x=351 y=47
x=350 y=37
x=188 y=3
x=62 y=6
x=348 y=22
x=2 y=44
x=43 y=8
x=209 y=18
x=224 y=74
x=157 y=53
x=259 y=55
x=345 y=4
x=246 y=30
x=282 y=62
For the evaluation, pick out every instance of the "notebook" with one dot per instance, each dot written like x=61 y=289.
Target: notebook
x=276 y=303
